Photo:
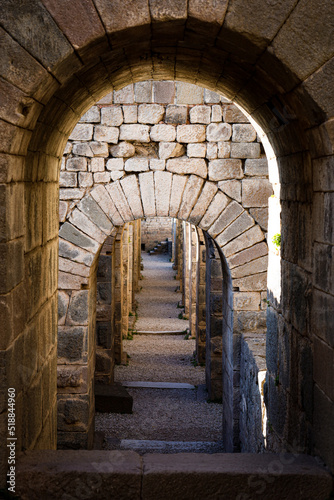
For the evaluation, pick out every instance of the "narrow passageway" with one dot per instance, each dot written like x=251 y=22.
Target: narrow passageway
x=170 y=408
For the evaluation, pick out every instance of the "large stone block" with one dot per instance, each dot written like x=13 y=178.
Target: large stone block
x=76 y=164
x=82 y=222
x=232 y=114
x=196 y=150
x=185 y=165
x=215 y=208
x=116 y=194
x=170 y=150
x=190 y=133
x=147 y=193
x=90 y=207
x=246 y=240
x=218 y=132
x=163 y=132
x=237 y=227
x=112 y=116
x=82 y=149
x=163 y=92
x=156 y=164
x=69 y=233
x=176 y=114
x=245 y=150
x=243 y=133
x=99 y=148
x=205 y=198
x=216 y=113
x=131 y=189
x=77 y=313
x=223 y=169
x=256 y=266
x=115 y=164
x=255 y=192
x=200 y=114
x=256 y=167
x=187 y=93
x=246 y=301
x=150 y=113
x=190 y=195
x=124 y=95
x=82 y=132
x=211 y=150
x=136 y=164
x=91 y=116
x=122 y=150
x=232 y=188
x=178 y=184
x=74 y=253
x=68 y=179
x=72 y=344
x=256 y=282
x=248 y=255
x=103 y=133
x=134 y=132
x=163 y=183
x=75 y=268
x=130 y=114
x=229 y=214
x=97 y=165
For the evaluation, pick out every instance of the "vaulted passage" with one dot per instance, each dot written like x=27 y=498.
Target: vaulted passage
x=275 y=60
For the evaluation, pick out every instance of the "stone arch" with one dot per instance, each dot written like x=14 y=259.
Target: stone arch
x=190 y=198
x=51 y=77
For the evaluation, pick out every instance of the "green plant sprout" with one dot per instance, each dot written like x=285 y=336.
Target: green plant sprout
x=276 y=239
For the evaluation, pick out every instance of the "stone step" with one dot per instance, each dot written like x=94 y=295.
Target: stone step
x=112 y=398
x=102 y=474
x=156 y=332
x=142 y=446
x=157 y=385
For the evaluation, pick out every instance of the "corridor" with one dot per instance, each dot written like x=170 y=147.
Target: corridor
x=170 y=408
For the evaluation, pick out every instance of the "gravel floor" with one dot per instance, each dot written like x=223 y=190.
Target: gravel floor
x=162 y=414
x=157 y=301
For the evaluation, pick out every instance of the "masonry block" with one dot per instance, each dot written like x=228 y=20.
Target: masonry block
x=223 y=169
x=112 y=116
x=185 y=165
x=91 y=116
x=178 y=185
x=103 y=133
x=190 y=133
x=163 y=132
x=218 y=132
x=176 y=114
x=134 y=132
x=150 y=113
x=76 y=164
x=245 y=150
x=170 y=150
x=200 y=114
x=82 y=132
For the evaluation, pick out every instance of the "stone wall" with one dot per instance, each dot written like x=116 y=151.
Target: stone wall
x=154 y=230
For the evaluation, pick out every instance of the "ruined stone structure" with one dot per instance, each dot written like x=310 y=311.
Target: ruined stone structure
x=275 y=60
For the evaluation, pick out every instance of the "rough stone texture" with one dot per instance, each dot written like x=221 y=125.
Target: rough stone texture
x=176 y=114
x=150 y=113
x=112 y=116
x=245 y=150
x=186 y=165
x=123 y=150
x=190 y=133
x=200 y=114
x=163 y=133
x=255 y=192
x=82 y=132
x=218 y=132
x=225 y=169
x=187 y=93
x=134 y=133
x=243 y=133
x=106 y=134
x=170 y=150
x=196 y=150
x=136 y=165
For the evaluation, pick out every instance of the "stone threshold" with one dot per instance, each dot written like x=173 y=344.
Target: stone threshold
x=73 y=474
x=158 y=385
x=172 y=332
x=157 y=446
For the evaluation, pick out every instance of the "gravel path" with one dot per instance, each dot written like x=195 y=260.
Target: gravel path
x=170 y=415
x=157 y=301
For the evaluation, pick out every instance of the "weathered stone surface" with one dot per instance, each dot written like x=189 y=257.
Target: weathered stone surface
x=232 y=114
x=218 y=132
x=63 y=206
x=112 y=116
x=122 y=150
x=99 y=148
x=243 y=133
x=229 y=214
x=136 y=164
x=255 y=192
x=163 y=92
x=116 y=175
x=241 y=224
x=224 y=149
x=81 y=132
x=163 y=132
x=196 y=150
x=91 y=116
x=190 y=133
x=115 y=164
x=73 y=235
x=116 y=194
x=163 y=183
x=156 y=164
x=201 y=205
x=77 y=313
x=130 y=114
x=256 y=167
x=143 y=92
x=124 y=95
x=82 y=149
x=178 y=184
x=134 y=132
x=76 y=164
x=176 y=114
x=92 y=209
x=257 y=282
x=146 y=183
x=71 y=193
x=131 y=189
x=245 y=150
x=85 y=179
x=256 y=266
x=246 y=301
x=187 y=93
x=150 y=113
x=97 y=165
x=69 y=266
x=103 y=177
x=247 y=255
x=170 y=150
x=200 y=114
x=231 y=188
x=106 y=134
x=211 y=150
x=68 y=179
x=190 y=195
x=75 y=253
x=102 y=198
x=72 y=344
x=82 y=222
x=68 y=281
x=260 y=216
x=225 y=169
x=185 y=165
x=217 y=205
x=245 y=240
